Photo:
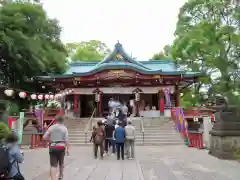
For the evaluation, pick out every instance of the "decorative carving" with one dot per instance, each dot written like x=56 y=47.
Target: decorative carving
x=156 y=76
x=117 y=73
x=77 y=78
x=119 y=56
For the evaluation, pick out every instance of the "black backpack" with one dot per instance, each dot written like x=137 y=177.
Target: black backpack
x=5 y=165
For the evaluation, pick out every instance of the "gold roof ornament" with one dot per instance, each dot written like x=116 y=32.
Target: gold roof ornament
x=119 y=56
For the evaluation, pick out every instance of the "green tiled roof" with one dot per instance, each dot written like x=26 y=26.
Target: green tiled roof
x=119 y=59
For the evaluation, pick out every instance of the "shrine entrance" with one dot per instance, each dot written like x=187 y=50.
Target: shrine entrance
x=119 y=97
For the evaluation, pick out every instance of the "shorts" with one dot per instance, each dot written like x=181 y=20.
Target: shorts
x=57 y=158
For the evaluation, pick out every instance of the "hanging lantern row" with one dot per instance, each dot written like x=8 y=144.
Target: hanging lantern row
x=10 y=92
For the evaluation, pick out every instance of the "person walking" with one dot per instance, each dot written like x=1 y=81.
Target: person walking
x=59 y=144
x=119 y=136
x=130 y=140
x=125 y=112
x=98 y=139
x=11 y=157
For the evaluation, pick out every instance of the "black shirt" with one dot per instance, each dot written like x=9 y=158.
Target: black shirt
x=109 y=130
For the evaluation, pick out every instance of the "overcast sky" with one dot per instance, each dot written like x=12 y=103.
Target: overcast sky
x=143 y=27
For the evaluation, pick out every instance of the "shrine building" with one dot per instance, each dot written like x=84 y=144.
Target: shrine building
x=153 y=85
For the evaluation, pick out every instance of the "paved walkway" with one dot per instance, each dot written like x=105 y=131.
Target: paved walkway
x=152 y=163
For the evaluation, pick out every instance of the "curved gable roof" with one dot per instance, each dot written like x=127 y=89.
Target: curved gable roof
x=119 y=59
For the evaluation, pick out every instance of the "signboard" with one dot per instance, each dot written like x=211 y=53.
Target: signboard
x=19 y=126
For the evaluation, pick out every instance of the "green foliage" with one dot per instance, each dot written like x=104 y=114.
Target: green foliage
x=13 y=109
x=30 y=43
x=4 y=131
x=208 y=40
x=163 y=55
x=93 y=50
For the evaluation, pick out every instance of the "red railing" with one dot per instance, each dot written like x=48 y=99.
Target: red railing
x=193 y=138
x=37 y=140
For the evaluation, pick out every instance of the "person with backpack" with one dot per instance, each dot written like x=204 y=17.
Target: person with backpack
x=10 y=158
x=59 y=144
x=98 y=139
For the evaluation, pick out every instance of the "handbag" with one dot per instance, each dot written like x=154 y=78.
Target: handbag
x=19 y=175
x=55 y=147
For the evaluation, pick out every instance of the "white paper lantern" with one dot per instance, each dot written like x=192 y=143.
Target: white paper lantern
x=40 y=96
x=33 y=96
x=8 y=92
x=46 y=96
x=22 y=94
x=51 y=97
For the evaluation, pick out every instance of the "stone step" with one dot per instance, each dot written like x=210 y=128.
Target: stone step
x=137 y=144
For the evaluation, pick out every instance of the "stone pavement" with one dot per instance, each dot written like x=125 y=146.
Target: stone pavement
x=152 y=163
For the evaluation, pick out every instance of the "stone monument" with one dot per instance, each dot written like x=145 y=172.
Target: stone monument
x=225 y=134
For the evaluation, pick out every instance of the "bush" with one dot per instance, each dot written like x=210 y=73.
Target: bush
x=4 y=131
x=13 y=109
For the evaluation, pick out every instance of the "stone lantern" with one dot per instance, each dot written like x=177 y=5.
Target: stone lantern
x=225 y=134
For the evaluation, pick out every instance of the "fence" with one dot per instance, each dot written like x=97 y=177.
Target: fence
x=37 y=140
x=192 y=138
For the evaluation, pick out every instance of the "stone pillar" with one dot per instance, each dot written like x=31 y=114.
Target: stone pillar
x=225 y=134
x=207 y=127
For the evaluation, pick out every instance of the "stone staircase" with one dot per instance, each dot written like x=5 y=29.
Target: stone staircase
x=159 y=131
x=76 y=131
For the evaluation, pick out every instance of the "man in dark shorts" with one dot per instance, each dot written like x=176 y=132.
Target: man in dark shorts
x=59 y=143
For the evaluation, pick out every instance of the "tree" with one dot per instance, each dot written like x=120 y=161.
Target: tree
x=30 y=43
x=93 y=50
x=208 y=40
x=163 y=55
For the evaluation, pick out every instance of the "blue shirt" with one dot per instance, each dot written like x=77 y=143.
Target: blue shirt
x=119 y=135
x=15 y=157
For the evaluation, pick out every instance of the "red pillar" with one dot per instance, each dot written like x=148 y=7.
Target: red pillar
x=75 y=103
x=161 y=101
x=177 y=97
x=100 y=105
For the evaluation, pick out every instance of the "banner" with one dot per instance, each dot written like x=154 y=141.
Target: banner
x=167 y=96
x=20 y=126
